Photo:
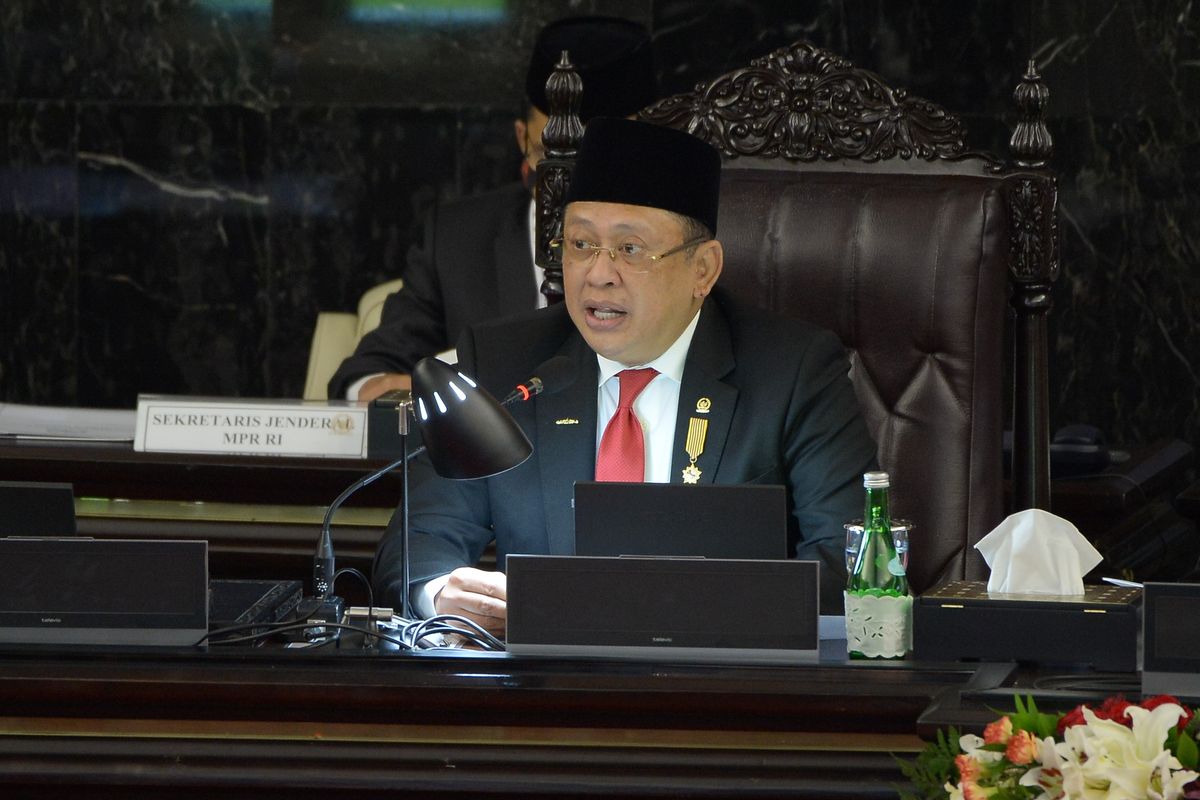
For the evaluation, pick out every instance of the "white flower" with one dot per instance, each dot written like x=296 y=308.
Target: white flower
x=1048 y=776
x=1104 y=760
x=972 y=745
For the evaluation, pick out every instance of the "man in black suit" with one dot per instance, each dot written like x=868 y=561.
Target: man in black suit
x=640 y=265
x=476 y=262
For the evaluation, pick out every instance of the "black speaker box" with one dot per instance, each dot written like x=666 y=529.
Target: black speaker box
x=103 y=591
x=665 y=609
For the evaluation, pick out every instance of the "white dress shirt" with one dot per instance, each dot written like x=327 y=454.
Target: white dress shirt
x=655 y=408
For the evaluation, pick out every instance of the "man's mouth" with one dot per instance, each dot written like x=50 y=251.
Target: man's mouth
x=605 y=312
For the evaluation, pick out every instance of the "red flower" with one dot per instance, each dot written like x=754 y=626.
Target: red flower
x=1071 y=719
x=1152 y=703
x=1113 y=709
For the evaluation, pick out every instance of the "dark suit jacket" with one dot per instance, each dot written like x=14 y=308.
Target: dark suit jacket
x=783 y=411
x=475 y=264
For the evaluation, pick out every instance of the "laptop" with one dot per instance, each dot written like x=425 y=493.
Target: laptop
x=670 y=519
x=29 y=508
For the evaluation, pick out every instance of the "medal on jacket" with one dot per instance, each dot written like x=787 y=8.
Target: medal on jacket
x=697 y=431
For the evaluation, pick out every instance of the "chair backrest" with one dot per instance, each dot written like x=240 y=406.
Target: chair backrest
x=850 y=204
x=336 y=334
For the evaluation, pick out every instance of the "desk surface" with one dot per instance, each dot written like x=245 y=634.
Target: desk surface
x=456 y=723
x=268 y=722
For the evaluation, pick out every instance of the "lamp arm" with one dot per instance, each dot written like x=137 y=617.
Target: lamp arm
x=323 y=560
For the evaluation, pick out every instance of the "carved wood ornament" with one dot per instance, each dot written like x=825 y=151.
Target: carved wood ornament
x=803 y=103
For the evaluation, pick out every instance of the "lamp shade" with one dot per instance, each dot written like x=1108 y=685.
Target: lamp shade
x=467 y=434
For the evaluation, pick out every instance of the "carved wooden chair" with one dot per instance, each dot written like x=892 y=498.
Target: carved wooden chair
x=849 y=203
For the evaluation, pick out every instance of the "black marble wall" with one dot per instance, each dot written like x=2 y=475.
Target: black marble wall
x=185 y=183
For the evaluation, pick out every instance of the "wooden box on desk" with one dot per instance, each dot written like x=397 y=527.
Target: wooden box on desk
x=959 y=621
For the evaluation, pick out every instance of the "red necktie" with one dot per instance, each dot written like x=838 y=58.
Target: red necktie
x=622 y=454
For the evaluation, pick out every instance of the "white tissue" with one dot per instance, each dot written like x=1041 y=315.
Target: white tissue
x=1036 y=552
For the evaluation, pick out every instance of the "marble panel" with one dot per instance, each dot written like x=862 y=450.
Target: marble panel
x=489 y=155
x=184 y=51
x=38 y=43
x=244 y=163
x=173 y=256
x=415 y=53
x=38 y=327
x=349 y=189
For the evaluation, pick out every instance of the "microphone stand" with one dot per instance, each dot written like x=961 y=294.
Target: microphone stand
x=324 y=562
x=553 y=374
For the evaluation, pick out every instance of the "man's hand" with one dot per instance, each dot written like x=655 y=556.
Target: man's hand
x=383 y=383
x=477 y=595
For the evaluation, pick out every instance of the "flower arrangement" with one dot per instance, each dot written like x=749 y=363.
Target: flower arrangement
x=1116 y=751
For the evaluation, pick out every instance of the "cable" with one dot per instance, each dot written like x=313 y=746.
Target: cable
x=412 y=632
x=416 y=630
x=299 y=626
x=362 y=578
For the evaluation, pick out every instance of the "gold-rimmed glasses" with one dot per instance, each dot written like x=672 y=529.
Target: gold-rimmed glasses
x=579 y=252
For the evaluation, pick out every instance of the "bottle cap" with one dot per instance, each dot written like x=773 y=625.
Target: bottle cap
x=876 y=480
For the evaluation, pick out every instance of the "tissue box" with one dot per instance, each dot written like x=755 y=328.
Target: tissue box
x=958 y=621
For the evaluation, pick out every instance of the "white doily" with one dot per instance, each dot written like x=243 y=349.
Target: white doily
x=879 y=627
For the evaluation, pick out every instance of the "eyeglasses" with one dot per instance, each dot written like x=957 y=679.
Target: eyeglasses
x=578 y=252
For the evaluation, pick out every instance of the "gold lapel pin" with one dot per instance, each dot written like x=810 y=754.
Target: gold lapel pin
x=566 y=421
x=703 y=405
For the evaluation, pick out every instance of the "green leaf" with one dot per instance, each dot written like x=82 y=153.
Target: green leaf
x=1186 y=751
x=1028 y=718
x=932 y=767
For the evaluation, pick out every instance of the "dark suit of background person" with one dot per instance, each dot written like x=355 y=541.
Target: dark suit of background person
x=780 y=405
x=476 y=262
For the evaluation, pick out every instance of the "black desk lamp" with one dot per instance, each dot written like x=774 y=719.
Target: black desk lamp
x=467 y=435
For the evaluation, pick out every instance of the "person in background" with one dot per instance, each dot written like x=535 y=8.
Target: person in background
x=672 y=381
x=476 y=262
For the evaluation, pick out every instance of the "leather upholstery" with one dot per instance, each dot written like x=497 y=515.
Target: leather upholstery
x=336 y=334
x=910 y=271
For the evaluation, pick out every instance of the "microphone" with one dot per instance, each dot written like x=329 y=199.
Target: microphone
x=552 y=375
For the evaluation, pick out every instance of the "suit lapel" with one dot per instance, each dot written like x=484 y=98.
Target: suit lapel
x=703 y=394
x=516 y=288
x=566 y=444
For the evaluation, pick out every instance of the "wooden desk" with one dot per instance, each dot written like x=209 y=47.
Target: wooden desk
x=260 y=515
x=234 y=723
x=117 y=471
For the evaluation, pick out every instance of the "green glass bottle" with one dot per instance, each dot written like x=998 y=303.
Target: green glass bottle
x=878 y=605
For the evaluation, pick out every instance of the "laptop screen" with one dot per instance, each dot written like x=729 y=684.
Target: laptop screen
x=671 y=519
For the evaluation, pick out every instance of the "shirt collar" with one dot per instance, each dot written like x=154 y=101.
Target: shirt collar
x=670 y=363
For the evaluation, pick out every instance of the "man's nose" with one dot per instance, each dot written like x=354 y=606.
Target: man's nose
x=604 y=267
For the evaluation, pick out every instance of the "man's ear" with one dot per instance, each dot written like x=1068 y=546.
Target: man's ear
x=519 y=129
x=707 y=265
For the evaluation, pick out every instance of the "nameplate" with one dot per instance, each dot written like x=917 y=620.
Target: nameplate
x=175 y=424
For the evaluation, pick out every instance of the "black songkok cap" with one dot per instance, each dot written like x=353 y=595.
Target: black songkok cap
x=612 y=56
x=639 y=164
